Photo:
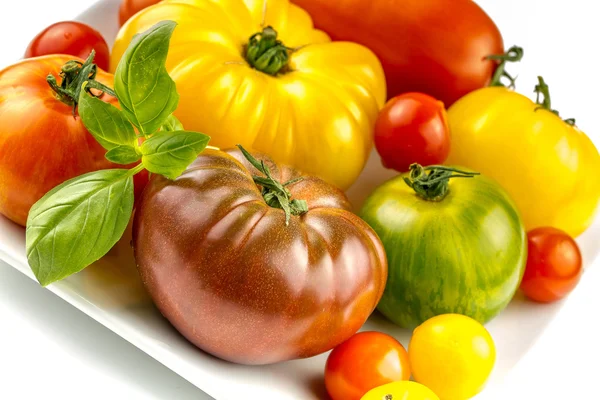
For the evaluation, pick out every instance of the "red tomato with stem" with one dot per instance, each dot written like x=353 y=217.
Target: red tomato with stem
x=412 y=128
x=363 y=362
x=73 y=38
x=554 y=265
x=131 y=7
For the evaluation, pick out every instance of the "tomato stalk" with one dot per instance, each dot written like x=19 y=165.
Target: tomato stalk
x=514 y=54
x=73 y=75
x=542 y=90
x=274 y=192
x=266 y=53
x=431 y=183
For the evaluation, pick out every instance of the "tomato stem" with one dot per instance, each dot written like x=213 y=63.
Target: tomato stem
x=514 y=54
x=431 y=183
x=275 y=194
x=266 y=53
x=542 y=90
x=73 y=75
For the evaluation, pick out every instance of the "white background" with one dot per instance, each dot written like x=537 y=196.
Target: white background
x=50 y=350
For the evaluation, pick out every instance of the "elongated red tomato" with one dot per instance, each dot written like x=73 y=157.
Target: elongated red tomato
x=436 y=47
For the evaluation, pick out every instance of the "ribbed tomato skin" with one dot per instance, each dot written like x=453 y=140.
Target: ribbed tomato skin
x=465 y=254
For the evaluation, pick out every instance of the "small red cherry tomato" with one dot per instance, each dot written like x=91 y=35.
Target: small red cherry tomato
x=363 y=362
x=554 y=265
x=412 y=128
x=72 y=38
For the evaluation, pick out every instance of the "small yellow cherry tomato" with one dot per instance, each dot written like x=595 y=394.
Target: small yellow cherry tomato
x=453 y=355
x=401 y=390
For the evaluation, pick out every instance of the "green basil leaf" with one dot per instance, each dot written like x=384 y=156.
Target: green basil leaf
x=146 y=92
x=78 y=222
x=170 y=153
x=171 y=124
x=123 y=155
x=105 y=122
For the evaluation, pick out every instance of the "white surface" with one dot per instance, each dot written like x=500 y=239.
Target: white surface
x=48 y=348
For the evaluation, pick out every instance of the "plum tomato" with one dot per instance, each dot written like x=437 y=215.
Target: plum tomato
x=554 y=265
x=412 y=128
x=363 y=362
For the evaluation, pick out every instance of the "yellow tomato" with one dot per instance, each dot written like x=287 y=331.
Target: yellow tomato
x=548 y=166
x=401 y=390
x=288 y=92
x=453 y=355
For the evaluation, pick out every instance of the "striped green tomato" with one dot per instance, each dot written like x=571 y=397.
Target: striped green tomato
x=453 y=245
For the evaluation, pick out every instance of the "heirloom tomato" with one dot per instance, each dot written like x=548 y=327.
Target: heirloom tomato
x=438 y=47
x=254 y=266
x=401 y=390
x=129 y=8
x=455 y=244
x=547 y=165
x=257 y=73
x=42 y=142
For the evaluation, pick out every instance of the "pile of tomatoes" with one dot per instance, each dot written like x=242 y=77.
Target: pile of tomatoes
x=266 y=262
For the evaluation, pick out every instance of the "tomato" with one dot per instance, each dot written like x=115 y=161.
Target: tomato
x=412 y=128
x=403 y=390
x=41 y=143
x=453 y=355
x=363 y=362
x=217 y=257
x=454 y=245
x=129 y=8
x=438 y=47
x=543 y=162
x=73 y=38
x=313 y=108
x=554 y=265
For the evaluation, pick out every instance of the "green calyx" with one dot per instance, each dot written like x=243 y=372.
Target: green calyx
x=431 y=183
x=275 y=193
x=542 y=92
x=266 y=53
x=514 y=54
x=73 y=75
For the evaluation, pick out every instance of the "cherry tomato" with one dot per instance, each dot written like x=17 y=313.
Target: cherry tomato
x=554 y=265
x=401 y=390
x=453 y=355
x=363 y=362
x=72 y=38
x=130 y=7
x=412 y=128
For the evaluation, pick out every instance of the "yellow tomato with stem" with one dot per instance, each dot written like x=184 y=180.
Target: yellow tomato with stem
x=257 y=73
x=453 y=355
x=401 y=390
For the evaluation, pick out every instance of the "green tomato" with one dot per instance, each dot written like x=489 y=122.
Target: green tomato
x=463 y=252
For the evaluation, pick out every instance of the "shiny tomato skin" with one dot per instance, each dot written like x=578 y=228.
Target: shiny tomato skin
x=436 y=47
x=131 y=7
x=363 y=362
x=554 y=265
x=412 y=128
x=73 y=38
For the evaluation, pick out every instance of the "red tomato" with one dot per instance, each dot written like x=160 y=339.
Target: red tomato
x=41 y=143
x=554 y=265
x=412 y=128
x=73 y=38
x=436 y=47
x=130 y=7
x=363 y=362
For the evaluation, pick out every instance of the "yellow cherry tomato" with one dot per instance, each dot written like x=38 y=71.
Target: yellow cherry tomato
x=548 y=166
x=401 y=390
x=453 y=355
x=256 y=73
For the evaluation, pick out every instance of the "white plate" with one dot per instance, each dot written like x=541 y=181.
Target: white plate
x=111 y=293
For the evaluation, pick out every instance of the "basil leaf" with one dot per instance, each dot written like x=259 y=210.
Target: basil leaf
x=105 y=122
x=78 y=222
x=146 y=92
x=171 y=124
x=123 y=155
x=170 y=153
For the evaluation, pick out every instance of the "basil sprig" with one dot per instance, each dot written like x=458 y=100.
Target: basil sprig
x=79 y=221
